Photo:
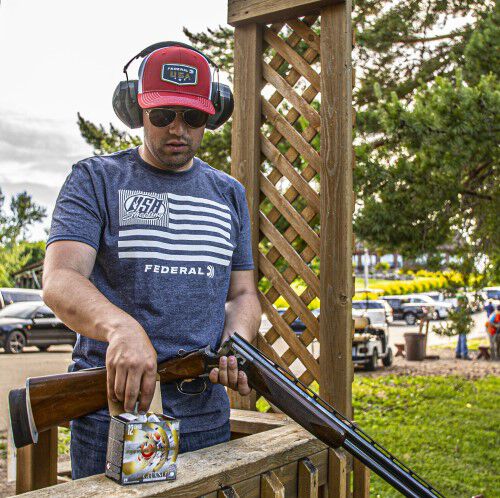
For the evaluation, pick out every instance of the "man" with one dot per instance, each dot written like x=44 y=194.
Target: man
x=493 y=327
x=149 y=256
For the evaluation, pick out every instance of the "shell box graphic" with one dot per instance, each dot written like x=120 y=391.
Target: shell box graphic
x=142 y=450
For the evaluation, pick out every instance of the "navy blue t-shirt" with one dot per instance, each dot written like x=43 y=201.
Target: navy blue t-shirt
x=166 y=244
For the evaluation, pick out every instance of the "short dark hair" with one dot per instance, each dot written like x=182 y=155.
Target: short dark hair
x=498 y=307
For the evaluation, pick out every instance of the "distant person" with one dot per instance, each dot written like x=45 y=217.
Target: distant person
x=461 y=351
x=489 y=308
x=493 y=326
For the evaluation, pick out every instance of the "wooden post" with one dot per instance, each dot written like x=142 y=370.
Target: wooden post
x=37 y=463
x=361 y=488
x=337 y=473
x=308 y=479
x=271 y=486
x=336 y=206
x=245 y=150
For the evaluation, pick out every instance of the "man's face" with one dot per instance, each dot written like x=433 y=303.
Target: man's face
x=174 y=145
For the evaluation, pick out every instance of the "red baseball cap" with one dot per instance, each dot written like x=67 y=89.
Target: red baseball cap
x=173 y=76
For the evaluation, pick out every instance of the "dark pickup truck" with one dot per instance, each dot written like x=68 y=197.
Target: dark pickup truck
x=403 y=309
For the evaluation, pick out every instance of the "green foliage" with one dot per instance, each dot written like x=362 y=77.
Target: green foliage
x=443 y=428
x=382 y=266
x=431 y=179
x=459 y=320
x=106 y=142
x=24 y=214
x=14 y=257
x=15 y=252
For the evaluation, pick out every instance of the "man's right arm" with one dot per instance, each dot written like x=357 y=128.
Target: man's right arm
x=130 y=357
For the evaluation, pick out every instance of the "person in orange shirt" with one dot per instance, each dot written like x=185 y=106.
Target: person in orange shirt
x=493 y=326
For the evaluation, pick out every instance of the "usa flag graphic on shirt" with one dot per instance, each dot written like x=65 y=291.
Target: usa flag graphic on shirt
x=174 y=227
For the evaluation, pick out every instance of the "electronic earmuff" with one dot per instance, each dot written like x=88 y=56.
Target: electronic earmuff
x=126 y=105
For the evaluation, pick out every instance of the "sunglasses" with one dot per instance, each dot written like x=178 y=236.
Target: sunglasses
x=161 y=117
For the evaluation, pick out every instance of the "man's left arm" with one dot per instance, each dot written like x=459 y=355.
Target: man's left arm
x=243 y=315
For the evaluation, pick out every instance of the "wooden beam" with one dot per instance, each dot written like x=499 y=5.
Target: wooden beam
x=267 y=11
x=37 y=463
x=252 y=422
x=245 y=152
x=336 y=207
x=204 y=471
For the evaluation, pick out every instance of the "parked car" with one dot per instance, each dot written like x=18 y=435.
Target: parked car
x=492 y=293
x=370 y=343
x=403 y=309
x=32 y=324
x=377 y=310
x=438 y=309
x=11 y=295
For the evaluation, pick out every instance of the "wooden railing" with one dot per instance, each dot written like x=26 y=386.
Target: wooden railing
x=269 y=456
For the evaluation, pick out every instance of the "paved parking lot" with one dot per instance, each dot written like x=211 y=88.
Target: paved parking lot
x=15 y=368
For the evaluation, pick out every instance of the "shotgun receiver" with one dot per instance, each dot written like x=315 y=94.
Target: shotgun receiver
x=52 y=400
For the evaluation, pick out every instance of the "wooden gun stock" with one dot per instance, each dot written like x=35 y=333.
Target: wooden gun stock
x=55 y=399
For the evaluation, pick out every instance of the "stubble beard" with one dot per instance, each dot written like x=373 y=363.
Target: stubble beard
x=174 y=161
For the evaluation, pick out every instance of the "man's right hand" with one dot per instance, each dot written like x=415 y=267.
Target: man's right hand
x=131 y=364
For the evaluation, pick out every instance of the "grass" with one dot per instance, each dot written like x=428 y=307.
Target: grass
x=472 y=344
x=444 y=428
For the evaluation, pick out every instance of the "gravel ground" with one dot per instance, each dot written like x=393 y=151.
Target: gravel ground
x=446 y=365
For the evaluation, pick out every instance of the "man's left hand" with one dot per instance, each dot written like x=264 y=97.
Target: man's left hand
x=228 y=375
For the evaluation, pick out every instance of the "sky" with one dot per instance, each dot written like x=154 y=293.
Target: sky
x=58 y=58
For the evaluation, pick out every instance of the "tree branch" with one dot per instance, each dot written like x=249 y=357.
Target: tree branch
x=412 y=41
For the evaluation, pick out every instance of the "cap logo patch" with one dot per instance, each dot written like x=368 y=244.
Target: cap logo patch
x=179 y=74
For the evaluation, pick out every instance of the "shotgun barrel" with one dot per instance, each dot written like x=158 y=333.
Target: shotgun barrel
x=283 y=389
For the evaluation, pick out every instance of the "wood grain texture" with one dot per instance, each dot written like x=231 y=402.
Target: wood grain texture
x=337 y=473
x=295 y=139
x=293 y=58
x=266 y=11
x=361 y=484
x=336 y=207
x=290 y=214
x=37 y=463
x=281 y=85
x=245 y=149
x=205 y=471
x=295 y=344
x=227 y=493
x=288 y=252
x=308 y=479
x=252 y=422
x=280 y=162
x=271 y=486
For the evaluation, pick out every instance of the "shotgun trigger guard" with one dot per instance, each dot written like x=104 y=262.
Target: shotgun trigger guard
x=180 y=385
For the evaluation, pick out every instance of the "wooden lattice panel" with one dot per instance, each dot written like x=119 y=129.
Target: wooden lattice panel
x=289 y=241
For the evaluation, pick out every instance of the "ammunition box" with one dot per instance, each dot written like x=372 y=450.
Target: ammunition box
x=142 y=448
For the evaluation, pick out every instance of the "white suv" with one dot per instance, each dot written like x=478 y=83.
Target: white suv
x=439 y=309
x=379 y=312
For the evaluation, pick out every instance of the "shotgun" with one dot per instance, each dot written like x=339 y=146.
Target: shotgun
x=54 y=399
